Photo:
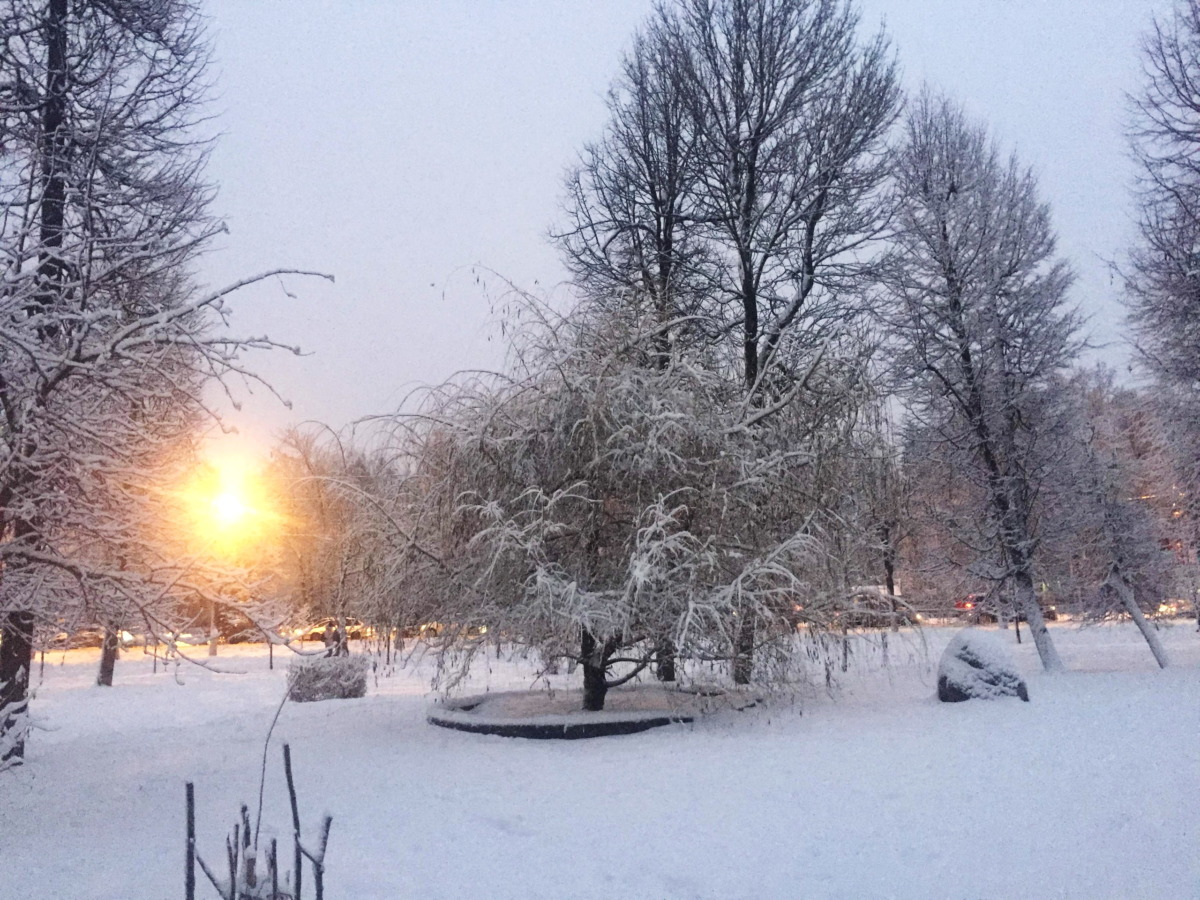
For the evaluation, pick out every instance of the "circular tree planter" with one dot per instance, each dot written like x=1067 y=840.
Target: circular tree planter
x=559 y=715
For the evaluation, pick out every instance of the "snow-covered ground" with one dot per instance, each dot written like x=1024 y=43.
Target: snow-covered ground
x=1091 y=790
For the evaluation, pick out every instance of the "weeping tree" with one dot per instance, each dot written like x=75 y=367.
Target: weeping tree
x=590 y=506
x=977 y=307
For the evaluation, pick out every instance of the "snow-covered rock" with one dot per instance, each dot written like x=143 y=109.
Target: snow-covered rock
x=975 y=665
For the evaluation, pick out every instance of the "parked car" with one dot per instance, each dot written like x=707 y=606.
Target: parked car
x=424 y=630
x=979 y=611
x=1174 y=609
x=72 y=640
x=91 y=637
x=355 y=630
x=971 y=607
x=873 y=607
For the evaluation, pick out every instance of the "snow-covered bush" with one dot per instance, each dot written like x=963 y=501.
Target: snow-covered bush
x=327 y=678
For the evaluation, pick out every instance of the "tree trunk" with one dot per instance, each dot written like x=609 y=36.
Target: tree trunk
x=743 y=651
x=51 y=268
x=889 y=577
x=1125 y=592
x=213 y=633
x=1012 y=511
x=109 y=651
x=595 y=682
x=1027 y=604
x=664 y=669
x=16 y=662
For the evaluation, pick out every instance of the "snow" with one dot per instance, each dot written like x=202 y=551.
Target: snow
x=1087 y=792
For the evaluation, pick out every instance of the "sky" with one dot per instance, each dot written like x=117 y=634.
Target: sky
x=416 y=151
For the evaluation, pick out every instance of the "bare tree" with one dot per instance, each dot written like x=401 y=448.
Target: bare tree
x=790 y=113
x=882 y=484
x=1115 y=501
x=1163 y=280
x=340 y=504
x=632 y=237
x=1179 y=411
x=1164 y=275
x=977 y=311
x=105 y=345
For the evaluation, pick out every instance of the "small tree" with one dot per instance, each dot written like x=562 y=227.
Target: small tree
x=594 y=506
x=1107 y=508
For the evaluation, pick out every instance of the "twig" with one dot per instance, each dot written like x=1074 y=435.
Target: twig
x=318 y=859
x=262 y=779
x=231 y=851
x=189 y=871
x=213 y=878
x=298 y=859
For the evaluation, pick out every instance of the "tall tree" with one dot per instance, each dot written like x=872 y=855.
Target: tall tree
x=1164 y=277
x=790 y=113
x=105 y=346
x=632 y=237
x=981 y=327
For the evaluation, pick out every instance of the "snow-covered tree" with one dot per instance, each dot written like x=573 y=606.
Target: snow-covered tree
x=733 y=201
x=619 y=514
x=1164 y=274
x=338 y=505
x=790 y=112
x=1107 y=506
x=105 y=345
x=977 y=310
x=633 y=235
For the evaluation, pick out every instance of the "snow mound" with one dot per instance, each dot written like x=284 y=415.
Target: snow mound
x=975 y=665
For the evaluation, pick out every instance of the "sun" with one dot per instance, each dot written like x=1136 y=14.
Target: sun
x=227 y=504
x=229 y=508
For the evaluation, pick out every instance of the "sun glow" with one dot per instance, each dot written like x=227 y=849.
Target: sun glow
x=228 y=509
x=228 y=504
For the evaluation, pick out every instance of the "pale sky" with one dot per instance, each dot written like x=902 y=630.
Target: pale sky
x=415 y=150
